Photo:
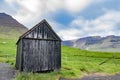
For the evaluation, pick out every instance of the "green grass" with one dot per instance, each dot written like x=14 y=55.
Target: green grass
x=7 y=50
x=75 y=63
x=6 y=32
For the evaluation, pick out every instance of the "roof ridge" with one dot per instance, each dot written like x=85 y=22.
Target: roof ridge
x=44 y=20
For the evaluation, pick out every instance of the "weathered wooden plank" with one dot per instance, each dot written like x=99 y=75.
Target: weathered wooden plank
x=39 y=49
x=40 y=55
x=42 y=32
x=18 y=55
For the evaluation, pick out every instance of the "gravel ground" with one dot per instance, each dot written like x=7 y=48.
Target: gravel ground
x=97 y=77
x=7 y=72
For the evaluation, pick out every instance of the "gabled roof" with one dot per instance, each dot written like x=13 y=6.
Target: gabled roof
x=37 y=25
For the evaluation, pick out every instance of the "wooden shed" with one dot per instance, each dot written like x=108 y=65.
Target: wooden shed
x=39 y=49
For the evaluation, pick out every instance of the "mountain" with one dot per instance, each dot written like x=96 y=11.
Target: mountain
x=96 y=43
x=9 y=27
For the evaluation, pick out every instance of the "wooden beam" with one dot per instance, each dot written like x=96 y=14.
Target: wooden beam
x=42 y=39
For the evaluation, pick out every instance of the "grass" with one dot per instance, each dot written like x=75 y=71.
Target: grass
x=7 y=32
x=7 y=50
x=75 y=63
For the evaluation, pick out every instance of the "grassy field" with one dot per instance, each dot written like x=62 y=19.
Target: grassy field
x=7 y=50
x=75 y=63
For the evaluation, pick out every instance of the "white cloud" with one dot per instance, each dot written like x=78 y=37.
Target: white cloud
x=103 y=26
x=70 y=34
x=29 y=10
x=33 y=9
x=10 y=1
x=77 y=5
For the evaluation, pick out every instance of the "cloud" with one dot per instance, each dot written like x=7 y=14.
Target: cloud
x=30 y=10
x=74 y=6
x=104 y=25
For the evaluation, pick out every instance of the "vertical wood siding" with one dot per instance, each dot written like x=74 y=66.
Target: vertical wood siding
x=41 y=55
x=39 y=50
x=42 y=32
x=19 y=56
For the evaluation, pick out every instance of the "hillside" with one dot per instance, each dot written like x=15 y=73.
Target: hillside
x=75 y=63
x=96 y=43
x=9 y=27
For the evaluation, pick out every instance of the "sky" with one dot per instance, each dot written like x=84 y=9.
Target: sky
x=71 y=19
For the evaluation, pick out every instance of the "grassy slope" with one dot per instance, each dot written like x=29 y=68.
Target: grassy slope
x=8 y=38
x=11 y=32
x=99 y=47
x=7 y=50
x=75 y=62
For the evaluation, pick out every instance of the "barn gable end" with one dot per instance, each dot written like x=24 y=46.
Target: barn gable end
x=39 y=49
x=41 y=31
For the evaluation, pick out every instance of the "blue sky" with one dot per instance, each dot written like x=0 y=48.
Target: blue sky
x=71 y=19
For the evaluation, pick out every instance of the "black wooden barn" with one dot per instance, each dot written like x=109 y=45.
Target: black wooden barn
x=39 y=49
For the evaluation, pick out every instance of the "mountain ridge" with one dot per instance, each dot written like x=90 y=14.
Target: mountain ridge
x=96 y=43
x=10 y=27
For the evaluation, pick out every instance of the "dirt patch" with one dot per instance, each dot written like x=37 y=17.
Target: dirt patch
x=7 y=72
x=101 y=77
x=96 y=76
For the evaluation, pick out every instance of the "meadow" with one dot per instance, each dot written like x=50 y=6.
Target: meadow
x=75 y=62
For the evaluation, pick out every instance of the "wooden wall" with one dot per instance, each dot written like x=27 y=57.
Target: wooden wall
x=39 y=49
x=42 y=32
x=41 y=55
x=19 y=56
